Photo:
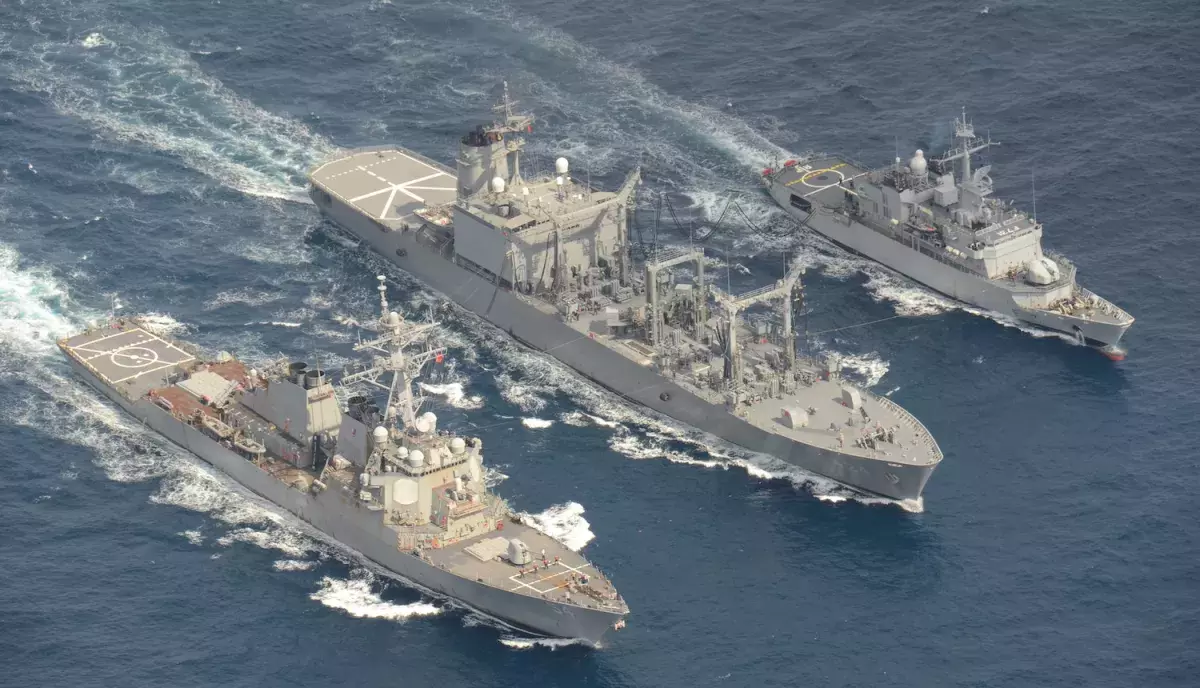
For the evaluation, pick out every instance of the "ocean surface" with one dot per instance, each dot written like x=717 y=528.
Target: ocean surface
x=153 y=152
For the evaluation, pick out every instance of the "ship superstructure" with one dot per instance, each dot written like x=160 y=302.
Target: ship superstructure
x=548 y=259
x=386 y=482
x=937 y=222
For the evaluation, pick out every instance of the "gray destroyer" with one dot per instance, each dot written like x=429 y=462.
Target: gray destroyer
x=549 y=260
x=941 y=227
x=385 y=482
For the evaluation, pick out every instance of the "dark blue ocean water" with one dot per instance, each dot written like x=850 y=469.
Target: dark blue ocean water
x=155 y=151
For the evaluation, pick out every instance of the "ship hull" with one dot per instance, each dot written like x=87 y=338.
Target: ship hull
x=609 y=369
x=338 y=515
x=961 y=286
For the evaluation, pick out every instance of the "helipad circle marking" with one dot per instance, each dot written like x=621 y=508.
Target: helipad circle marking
x=134 y=357
x=823 y=176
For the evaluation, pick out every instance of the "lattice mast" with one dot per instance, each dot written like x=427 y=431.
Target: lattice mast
x=395 y=335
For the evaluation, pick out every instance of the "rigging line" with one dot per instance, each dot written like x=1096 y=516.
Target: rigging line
x=850 y=327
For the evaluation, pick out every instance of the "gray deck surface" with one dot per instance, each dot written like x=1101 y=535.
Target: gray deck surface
x=547 y=582
x=386 y=184
x=819 y=180
x=129 y=357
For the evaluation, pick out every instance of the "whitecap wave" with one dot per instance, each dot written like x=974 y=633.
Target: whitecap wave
x=356 y=597
x=94 y=40
x=293 y=565
x=536 y=423
x=552 y=644
x=290 y=542
x=193 y=536
x=454 y=394
x=162 y=324
x=563 y=522
x=244 y=295
x=529 y=396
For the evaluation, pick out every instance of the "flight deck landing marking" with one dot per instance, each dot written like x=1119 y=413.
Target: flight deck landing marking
x=133 y=350
x=569 y=569
x=392 y=188
x=134 y=357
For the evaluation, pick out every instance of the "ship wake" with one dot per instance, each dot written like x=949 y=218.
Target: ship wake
x=132 y=85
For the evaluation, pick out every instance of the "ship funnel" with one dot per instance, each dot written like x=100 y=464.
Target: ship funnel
x=314 y=378
x=355 y=406
x=296 y=372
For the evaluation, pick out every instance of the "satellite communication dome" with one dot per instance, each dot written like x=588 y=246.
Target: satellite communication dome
x=393 y=318
x=498 y=184
x=416 y=458
x=422 y=425
x=918 y=164
x=402 y=453
x=559 y=180
x=561 y=166
x=457 y=445
x=380 y=435
x=431 y=419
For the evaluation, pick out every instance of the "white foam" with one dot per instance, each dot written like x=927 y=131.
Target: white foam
x=193 y=536
x=162 y=324
x=293 y=565
x=249 y=297
x=275 y=323
x=551 y=644
x=492 y=476
x=536 y=423
x=288 y=541
x=454 y=394
x=870 y=367
x=356 y=598
x=577 y=419
x=563 y=522
x=94 y=40
x=525 y=394
x=32 y=306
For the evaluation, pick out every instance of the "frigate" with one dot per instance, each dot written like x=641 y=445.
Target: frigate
x=387 y=483
x=549 y=259
x=941 y=227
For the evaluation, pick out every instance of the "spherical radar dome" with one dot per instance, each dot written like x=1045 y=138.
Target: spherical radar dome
x=918 y=164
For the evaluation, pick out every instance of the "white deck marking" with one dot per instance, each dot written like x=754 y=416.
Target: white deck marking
x=406 y=192
x=356 y=199
x=388 y=206
x=565 y=565
x=100 y=339
x=421 y=162
x=432 y=188
x=149 y=370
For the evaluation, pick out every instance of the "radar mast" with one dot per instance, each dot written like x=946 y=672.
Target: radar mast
x=396 y=334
